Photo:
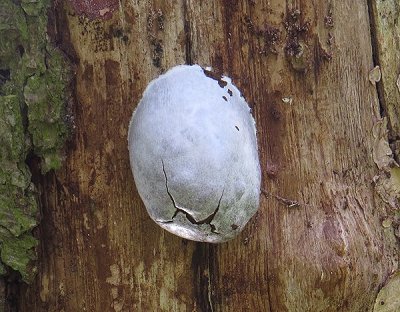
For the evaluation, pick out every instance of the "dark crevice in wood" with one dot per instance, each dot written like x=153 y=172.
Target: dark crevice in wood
x=9 y=285
x=228 y=10
x=392 y=135
x=56 y=29
x=376 y=57
x=211 y=266
x=3 y=302
x=188 y=33
x=9 y=292
x=203 y=266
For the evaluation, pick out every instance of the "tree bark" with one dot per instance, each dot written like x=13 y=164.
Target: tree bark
x=304 y=68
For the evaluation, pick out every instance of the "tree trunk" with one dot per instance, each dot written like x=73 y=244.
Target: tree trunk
x=323 y=237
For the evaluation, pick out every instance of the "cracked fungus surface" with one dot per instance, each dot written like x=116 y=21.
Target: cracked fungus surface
x=193 y=152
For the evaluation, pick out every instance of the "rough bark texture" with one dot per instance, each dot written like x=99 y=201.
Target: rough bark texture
x=33 y=79
x=386 y=42
x=303 y=66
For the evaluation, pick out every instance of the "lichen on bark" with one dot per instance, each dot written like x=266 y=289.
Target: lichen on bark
x=33 y=76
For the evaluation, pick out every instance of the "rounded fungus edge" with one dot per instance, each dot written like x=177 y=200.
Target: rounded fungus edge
x=193 y=153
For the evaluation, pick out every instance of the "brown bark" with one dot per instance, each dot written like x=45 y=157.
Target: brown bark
x=303 y=66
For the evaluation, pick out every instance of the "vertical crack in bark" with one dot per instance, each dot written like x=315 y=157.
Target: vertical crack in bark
x=203 y=266
x=376 y=56
x=188 y=33
x=178 y=208
x=210 y=269
x=393 y=136
x=267 y=195
x=3 y=299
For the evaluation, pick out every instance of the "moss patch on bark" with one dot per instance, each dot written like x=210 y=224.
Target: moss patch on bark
x=33 y=77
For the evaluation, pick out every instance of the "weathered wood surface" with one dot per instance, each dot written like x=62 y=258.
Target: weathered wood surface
x=385 y=23
x=303 y=66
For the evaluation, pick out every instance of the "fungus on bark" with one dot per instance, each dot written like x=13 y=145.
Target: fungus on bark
x=193 y=152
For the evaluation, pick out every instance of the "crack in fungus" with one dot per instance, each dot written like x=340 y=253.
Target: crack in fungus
x=187 y=214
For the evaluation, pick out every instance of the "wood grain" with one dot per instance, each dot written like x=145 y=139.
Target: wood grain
x=303 y=66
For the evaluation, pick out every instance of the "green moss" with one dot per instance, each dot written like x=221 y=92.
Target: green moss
x=33 y=77
x=18 y=209
x=13 y=32
x=18 y=253
x=44 y=95
x=34 y=7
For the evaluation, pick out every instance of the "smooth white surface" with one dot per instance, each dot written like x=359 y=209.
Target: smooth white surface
x=185 y=139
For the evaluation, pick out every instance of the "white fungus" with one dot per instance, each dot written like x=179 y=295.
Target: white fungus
x=193 y=153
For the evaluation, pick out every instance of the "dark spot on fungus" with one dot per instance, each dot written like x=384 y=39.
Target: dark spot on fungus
x=382 y=302
x=230 y=92
x=237 y=128
x=234 y=227
x=224 y=97
x=216 y=77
